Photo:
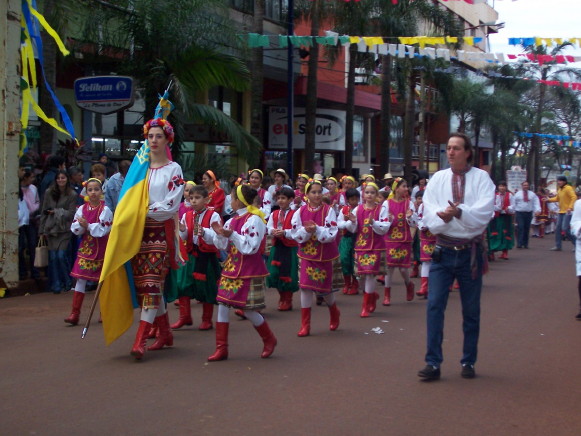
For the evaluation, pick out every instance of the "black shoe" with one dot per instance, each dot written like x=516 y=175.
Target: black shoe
x=468 y=371
x=429 y=373
x=578 y=317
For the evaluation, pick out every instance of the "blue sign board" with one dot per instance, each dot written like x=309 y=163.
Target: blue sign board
x=104 y=94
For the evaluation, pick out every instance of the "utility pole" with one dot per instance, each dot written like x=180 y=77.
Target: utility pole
x=10 y=71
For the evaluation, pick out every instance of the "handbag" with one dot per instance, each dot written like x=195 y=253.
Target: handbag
x=41 y=253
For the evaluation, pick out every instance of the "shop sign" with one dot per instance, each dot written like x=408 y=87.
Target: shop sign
x=104 y=94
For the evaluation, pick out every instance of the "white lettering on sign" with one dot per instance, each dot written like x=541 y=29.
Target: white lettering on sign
x=95 y=87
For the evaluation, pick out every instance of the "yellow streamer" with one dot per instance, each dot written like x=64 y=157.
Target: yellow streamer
x=469 y=40
x=354 y=39
x=48 y=29
x=38 y=110
x=451 y=39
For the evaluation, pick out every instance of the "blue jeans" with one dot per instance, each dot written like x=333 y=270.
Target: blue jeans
x=523 y=222
x=59 y=269
x=563 y=226
x=453 y=265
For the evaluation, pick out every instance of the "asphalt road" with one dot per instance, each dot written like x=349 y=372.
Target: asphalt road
x=349 y=382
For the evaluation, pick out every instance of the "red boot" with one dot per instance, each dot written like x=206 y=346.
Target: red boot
x=373 y=297
x=280 y=300
x=208 y=311
x=286 y=301
x=387 y=297
x=423 y=292
x=153 y=331
x=73 y=318
x=415 y=271
x=335 y=317
x=504 y=255
x=185 y=314
x=139 y=346
x=221 y=352
x=347 y=286
x=240 y=313
x=409 y=291
x=165 y=337
x=354 y=288
x=305 y=322
x=365 y=306
x=268 y=339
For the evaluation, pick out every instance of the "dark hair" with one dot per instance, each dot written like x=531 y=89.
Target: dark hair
x=54 y=190
x=398 y=182
x=248 y=193
x=467 y=144
x=74 y=171
x=352 y=192
x=420 y=194
x=562 y=179
x=55 y=161
x=502 y=183
x=199 y=189
x=287 y=192
x=124 y=166
x=93 y=180
x=384 y=194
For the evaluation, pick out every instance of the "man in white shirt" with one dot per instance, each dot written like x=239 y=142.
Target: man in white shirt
x=458 y=204
x=526 y=203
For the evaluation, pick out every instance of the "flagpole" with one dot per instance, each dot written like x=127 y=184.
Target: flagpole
x=99 y=286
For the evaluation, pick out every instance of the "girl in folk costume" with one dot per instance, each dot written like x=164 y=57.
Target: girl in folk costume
x=216 y=194
x=347 y=243
x=336 y=197
x=300 y=197
x=501 y=228
x=398 y=241
x=427 y=245
x=202 y=271
x=315 y=229
x=185 y=205
x=159 y=245
x=369 y=221
x=242 y=282
x=283 y=261
x=93 y=223
x=255 y=177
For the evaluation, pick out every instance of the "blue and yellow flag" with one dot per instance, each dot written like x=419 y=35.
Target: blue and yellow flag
x=117 y=296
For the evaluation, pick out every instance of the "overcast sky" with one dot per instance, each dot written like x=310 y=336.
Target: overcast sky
x=542 y=18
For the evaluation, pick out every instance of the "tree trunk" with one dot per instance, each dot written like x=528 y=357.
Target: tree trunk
x=422 y=124
x=476 y=160
x=257 y=85
x=410 y=118
x=385 y=114
x=350 y=110
x=535 y=155
x=311 y=98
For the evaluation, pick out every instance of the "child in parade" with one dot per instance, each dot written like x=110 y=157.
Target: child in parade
x=501 y=228
x=398 y=240
x=300 y=197
x=314 y=227
x=283 y=261
x=185 y=205
x=347 y=243
x=280 y=181
x=540 y=220
x=427 y=244
x=369 y=221
x=202 y=271
x=336 y=197
x=255 y=177
x=242 y=282
x=93 y=223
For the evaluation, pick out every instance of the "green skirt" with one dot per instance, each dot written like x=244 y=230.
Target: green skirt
x=182 y=283
x=347 y=255
x=286 y=283
x=501 y=233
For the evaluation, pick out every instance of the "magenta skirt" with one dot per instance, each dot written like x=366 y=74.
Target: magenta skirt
x=368 y=262
x=398 y=254
x=316 y=276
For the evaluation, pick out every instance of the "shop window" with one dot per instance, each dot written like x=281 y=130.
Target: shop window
x=359 y=143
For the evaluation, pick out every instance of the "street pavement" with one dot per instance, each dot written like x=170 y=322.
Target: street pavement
x=353 y=381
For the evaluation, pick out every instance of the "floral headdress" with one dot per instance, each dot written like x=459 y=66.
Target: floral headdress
x=163 y=124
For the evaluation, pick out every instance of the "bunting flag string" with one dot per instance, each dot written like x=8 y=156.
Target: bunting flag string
x=567 y=141
x=31 y=48
x=406 y=48
x=549 y=42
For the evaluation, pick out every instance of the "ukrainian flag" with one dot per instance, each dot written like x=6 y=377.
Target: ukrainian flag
x=117 y=297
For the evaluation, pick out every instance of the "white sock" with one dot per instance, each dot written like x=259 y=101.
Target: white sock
x=255 y=318
x=161 y=310
x=306 y=298
x=80 y=286
x=223 y=313
x=148 y=315
x=330 y=299
x=388 y=275
x=405 y=273
x=369 y=284
x=426 y=268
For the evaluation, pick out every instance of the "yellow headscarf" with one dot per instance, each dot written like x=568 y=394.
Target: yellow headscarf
x=364 y=185
x=394 y=186
x=311 y=183
x=251 y=208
